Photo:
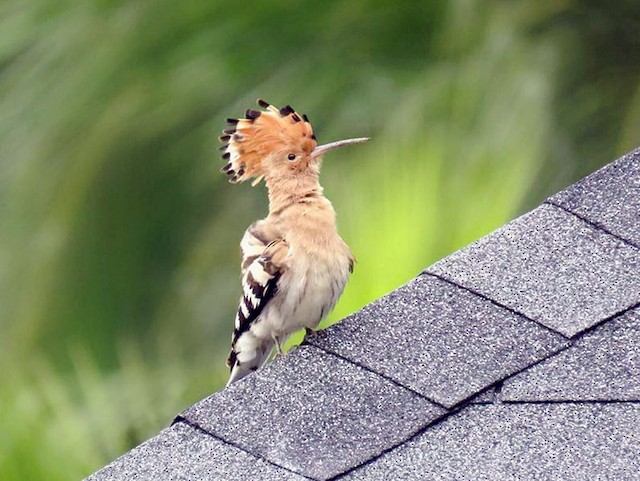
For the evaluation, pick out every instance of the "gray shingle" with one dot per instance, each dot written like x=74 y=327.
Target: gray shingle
x=609 y=197
x=602 y=365
x=440 y=340
x=314 y=413
x=520 y=441
x=487 y=396
x=552 y=267
x=186 y=454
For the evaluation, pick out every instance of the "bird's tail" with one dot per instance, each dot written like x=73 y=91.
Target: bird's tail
x=248 y=356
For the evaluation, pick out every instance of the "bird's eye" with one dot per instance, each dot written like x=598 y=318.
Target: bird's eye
x=291 y=156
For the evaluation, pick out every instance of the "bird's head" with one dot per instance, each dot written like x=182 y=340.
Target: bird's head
x=273 y=143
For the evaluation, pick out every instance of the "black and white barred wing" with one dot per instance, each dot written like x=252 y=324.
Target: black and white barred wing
x=261 y=273
x=254 y=242
x=259 y=276
x=259 y=285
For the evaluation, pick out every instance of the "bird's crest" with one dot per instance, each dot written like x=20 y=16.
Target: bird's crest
x=261 y=133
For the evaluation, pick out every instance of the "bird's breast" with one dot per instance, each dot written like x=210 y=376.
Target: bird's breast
x=310 y=289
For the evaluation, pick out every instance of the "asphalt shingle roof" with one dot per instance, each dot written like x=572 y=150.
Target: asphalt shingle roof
x=602 y=365
x=530 y=442
x=517 y=357
x=608 y=198
x=312 y=413
x=187 y=453
x=552 y=267
x=439 y=340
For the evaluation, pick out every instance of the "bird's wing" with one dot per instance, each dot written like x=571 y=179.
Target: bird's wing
x=262 y=267
x=254 y=242
x=259 y=284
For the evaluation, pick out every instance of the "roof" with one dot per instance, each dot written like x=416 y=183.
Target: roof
x=517 y=357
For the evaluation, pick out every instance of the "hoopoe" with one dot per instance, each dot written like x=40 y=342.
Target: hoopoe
x=294 y=263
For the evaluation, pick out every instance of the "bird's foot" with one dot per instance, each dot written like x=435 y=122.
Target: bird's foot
x=279 y=352
x=310 y=332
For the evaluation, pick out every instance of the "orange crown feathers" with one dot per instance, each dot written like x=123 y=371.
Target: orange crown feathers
x=248 y=141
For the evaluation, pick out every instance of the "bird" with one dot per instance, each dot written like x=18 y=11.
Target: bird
x=294 y=263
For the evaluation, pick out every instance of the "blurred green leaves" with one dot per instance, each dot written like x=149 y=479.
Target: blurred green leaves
x=118 y=238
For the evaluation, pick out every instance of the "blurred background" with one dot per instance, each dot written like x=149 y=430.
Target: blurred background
x=119 y=238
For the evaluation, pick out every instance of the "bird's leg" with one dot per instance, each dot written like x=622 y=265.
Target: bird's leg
x=279 y=352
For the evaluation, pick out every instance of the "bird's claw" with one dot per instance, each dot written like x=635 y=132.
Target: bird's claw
x=310 y=332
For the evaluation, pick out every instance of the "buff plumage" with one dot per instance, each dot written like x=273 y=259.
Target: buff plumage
x=294 y=263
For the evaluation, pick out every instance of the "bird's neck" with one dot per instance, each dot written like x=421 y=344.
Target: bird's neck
x=287 y=191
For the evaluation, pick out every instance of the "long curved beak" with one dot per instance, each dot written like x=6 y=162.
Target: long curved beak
x=323 y=149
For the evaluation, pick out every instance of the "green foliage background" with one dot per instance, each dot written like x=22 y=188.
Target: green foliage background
x=118 y=237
